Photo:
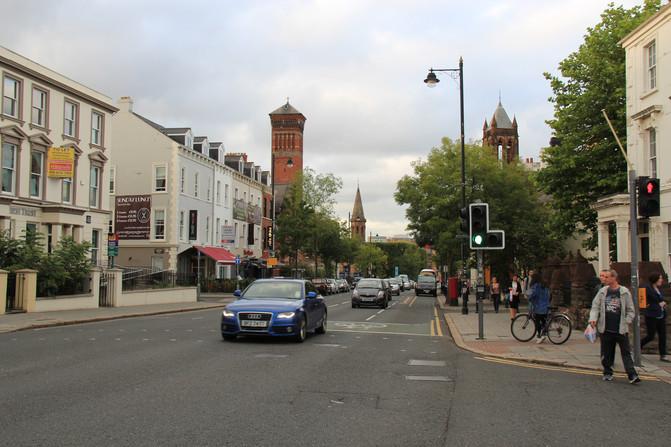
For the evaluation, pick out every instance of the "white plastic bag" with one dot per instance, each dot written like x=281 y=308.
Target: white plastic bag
x=590 y=333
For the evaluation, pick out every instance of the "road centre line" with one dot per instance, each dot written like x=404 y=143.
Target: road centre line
x=558 y=368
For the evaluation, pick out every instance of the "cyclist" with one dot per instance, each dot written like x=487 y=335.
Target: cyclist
x=540 y=298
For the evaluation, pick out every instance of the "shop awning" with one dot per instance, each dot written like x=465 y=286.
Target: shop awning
x=221 y=255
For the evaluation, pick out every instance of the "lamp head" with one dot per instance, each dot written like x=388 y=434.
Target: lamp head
x=290 y=163
x=431 y=79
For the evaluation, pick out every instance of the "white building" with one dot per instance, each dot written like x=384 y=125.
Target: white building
x=60 y=191
x=648 y=65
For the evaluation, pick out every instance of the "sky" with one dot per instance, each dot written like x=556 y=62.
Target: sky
x=353 y=68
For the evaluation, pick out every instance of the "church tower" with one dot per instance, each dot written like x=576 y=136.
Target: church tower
x=500 y=133
x=287 y=125
x=357 y=222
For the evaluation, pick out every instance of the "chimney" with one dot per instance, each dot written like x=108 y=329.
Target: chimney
x=125 y=103
x=532 y=159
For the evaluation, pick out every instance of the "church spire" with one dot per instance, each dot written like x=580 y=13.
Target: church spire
x=358 y=220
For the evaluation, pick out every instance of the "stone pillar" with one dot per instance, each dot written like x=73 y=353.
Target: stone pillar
x=26 y=288
x=604 y=252
x=623 y=240
x=3 y=290
x=94 y=284
x=116 y=285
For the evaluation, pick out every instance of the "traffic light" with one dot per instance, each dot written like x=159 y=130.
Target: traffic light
x=648 y=196
x=496 y=239
x=463 y=213
x=479 y=221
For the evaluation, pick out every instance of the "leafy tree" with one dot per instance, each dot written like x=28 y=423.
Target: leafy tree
x=319 y=190
x=588 y=163
x=295 y=225
x=409 y=258
x=371 y=259
x=433 y=196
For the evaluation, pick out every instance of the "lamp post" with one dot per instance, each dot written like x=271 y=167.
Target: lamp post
x=431 y=81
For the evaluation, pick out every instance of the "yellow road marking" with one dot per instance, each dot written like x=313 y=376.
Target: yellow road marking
x=557 y=368
x=413 y=300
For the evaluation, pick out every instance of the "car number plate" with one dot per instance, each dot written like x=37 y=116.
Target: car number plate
x=366 y=299
x=254 y=323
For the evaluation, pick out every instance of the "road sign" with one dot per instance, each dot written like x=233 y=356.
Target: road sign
x=271 y=262
x=237 y=260
x=112 y=251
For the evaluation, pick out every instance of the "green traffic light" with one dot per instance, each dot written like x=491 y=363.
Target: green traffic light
x=477 y=239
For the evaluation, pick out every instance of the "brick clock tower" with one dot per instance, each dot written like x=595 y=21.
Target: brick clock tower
x=357 y=222
x=286 y=149
x=501 y=133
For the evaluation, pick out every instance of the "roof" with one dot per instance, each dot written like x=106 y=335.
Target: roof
x=286 y=109
x=221 y=255
x=501 y=118
x=357 y=213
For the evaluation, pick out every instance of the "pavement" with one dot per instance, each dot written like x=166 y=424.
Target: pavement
x=497 y=342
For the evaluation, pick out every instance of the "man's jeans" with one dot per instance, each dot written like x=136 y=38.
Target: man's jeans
x=608 y=342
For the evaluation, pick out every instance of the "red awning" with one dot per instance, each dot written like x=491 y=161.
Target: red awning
x=221 y=255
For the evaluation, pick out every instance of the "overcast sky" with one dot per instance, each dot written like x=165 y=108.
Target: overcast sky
x=354 y=68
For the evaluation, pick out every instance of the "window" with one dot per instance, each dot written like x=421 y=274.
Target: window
x=39 y=113
x=159 y=224
x=66 y=190
x=217 y=234
x=182 y=224
x=8 y=168
x=218 y=192
x=195 y=184
x=226 y=195
x=652 y=145
x=209 y=188
x=36 y=174
x=10 y=100
x=95 y=247
x=112 y=180
x=182 y=180
x=652 y=65
x=159 y=178
x=207 y=230
x=96 y=129
x=94 y=187
x=70 y=121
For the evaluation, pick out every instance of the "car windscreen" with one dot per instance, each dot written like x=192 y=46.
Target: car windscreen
x=370 y=283
x=275 y=289
x=426 y=279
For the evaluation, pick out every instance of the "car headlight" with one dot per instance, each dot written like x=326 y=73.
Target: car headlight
x=228 y=313
x=380 y=294
x=286 y=314
x=355 y=294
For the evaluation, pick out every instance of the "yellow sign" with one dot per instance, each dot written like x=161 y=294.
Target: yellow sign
x=642 y=301
x=60 y=162
x=271 y=262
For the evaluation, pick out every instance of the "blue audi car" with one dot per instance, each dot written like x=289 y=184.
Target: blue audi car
x=275 y=307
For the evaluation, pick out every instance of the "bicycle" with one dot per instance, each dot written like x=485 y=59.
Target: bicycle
x=557 y=326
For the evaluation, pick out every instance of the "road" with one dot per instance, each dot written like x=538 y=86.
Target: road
x=387 y=377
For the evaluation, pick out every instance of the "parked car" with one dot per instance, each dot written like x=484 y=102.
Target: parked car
x=322 y=285
x=395 y=286
x=388 y=288
x=370 y=292
x=405 y=282
x=275 y=307
x=343 y=285
x=333 y=285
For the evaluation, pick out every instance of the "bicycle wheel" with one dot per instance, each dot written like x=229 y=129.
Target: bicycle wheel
x=523 y=327
x=559 y=329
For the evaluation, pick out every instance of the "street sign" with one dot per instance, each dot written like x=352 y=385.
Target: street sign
x=112 y=251
x=271 y=262
x=237 y=260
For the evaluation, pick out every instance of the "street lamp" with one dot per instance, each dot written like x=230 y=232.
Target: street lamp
x=431 y=81
x=289 y=164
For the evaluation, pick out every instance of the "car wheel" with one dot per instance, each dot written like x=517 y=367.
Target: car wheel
x=302 y=331
x=229 y=337
x=322 y=329
x=353 y=306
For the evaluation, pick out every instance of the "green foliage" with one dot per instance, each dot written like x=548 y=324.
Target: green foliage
x=588 y=164
x=60 y=272
x=371 y=257
x=433 y=196
x=409 y=258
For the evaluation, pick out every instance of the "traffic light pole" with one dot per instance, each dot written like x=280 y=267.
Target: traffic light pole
x=480 y=297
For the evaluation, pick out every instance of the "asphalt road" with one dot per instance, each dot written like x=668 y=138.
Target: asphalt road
x=387 y=377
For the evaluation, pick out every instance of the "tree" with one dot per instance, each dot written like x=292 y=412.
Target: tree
x=588 y=164
x=319 y=190
x=409 y=258
x=294 y=225
x=371 y=259
x=433 y=196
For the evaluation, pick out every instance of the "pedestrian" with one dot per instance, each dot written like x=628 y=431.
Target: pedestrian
x=612 y=312
x=495 y=291
x=527 y=288
x=515 y=291
x=655 y=314
x=602 y=282
x=540 y=299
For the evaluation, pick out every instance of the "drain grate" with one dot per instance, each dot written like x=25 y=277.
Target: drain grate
x=429 y=378
x=426 y=363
